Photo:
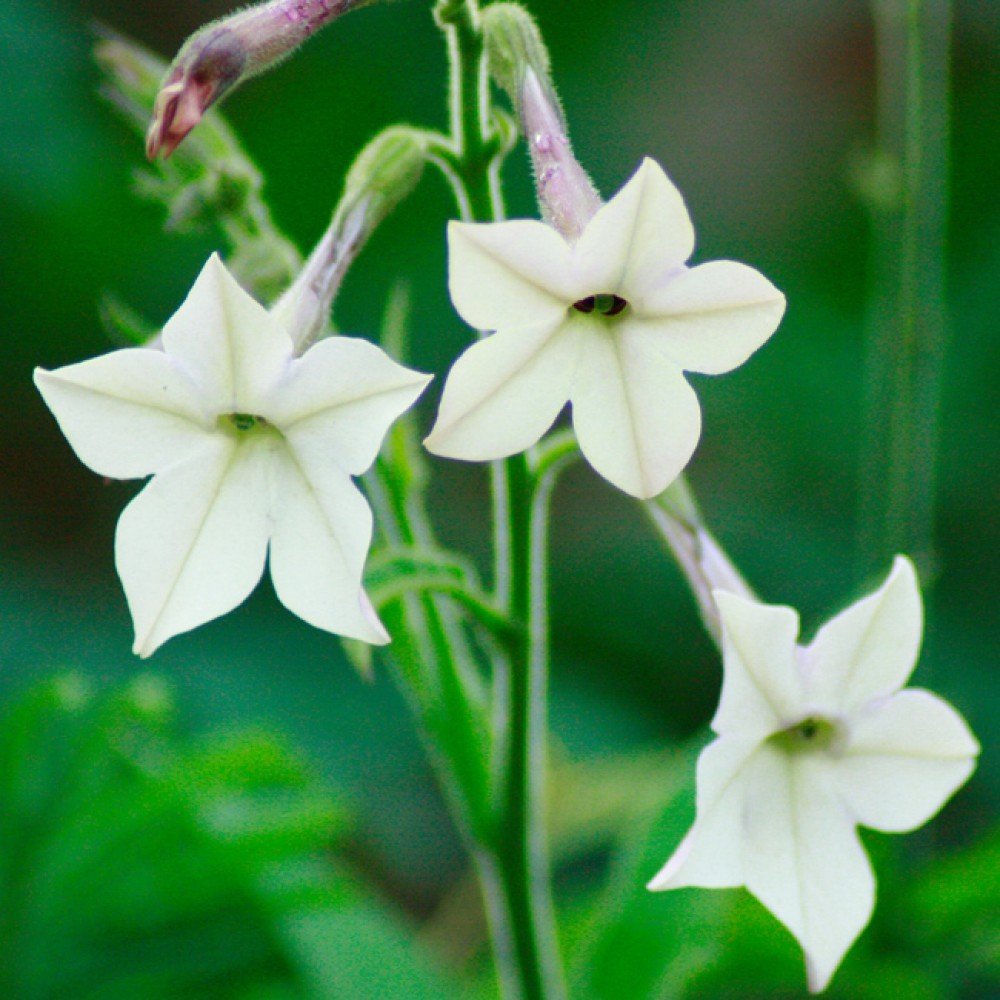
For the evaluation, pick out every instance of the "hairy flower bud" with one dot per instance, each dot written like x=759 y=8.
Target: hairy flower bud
x=519 y=62
x=385 y=172
x=513 y=44
x=566 y=194
x=225 y=53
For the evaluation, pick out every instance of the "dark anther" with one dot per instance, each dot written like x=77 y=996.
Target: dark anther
x=606 y=304
x=809 y=729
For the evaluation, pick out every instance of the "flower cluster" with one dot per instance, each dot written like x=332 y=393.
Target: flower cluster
x=252 y=442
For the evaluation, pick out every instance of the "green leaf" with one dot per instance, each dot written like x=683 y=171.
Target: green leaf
x=952 y=908
x=158 y=866
x=123 y=323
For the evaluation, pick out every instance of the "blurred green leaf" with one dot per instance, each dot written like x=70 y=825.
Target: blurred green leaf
x=952 y=909
x=156 y=865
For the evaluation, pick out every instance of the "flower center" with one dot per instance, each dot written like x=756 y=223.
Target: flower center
x=242 y=422
x=813 y=734
x=604 y=304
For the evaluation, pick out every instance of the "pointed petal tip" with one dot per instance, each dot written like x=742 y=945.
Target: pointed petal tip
x=663 y=879
x=215 y=267
x=144 y=648
x=903 y=568
x=433 y=443
x=377 y=634
x=737 y=602
x=647 y=491
x=667 y=877
x=652 y=168
x=817 y=980
x=423 y=379
x=440 y=442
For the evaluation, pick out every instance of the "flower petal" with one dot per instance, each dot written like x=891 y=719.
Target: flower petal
x=870 y=649
x=906 y=757
x=126 y=414
x=710 y=318
x=509 y=274
x=321 y=533
x=228 y=342
x=637 y=419
x=711 y=855
x=637 y=238
x=803 y=859
x=340 y=398
x=505 y=392
x=761 y=687
x=191 y=545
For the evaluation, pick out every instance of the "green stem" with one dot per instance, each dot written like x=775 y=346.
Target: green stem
x=521 y=693
x=512 y=864
x=908 y=313
x=479 y=606
x=429 y=646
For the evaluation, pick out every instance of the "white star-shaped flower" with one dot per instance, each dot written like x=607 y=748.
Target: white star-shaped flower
x=812 y=742
x=609 y=323
x=251 y=450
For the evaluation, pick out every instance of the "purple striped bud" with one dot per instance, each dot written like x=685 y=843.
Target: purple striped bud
x=225 y=53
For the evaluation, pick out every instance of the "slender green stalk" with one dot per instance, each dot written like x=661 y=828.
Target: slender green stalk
x=908 y=312
x=471 y=163
x=428 y=645
x=513 y=864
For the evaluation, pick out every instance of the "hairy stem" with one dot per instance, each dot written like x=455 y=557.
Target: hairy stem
x=431 y=649
x=513 y=863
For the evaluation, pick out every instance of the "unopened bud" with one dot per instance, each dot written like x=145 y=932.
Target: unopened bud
x=385 y=172
x=566 y=195
x=513 y=45
x=519 y=62
x=225 y=53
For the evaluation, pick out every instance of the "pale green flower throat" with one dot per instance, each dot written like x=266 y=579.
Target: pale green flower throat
x=813 y=734
x=242 y=423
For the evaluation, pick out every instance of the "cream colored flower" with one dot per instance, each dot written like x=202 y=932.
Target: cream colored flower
x=609 y=323
x=812 y=742
x=251 y=450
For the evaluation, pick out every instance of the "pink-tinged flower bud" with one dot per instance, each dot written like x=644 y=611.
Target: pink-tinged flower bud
x=566 y=194
x=702 y=560
x=519 y=62
x=180 y=104
x=225 y=53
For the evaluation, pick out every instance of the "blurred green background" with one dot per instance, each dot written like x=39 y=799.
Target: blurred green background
x=759 y=110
